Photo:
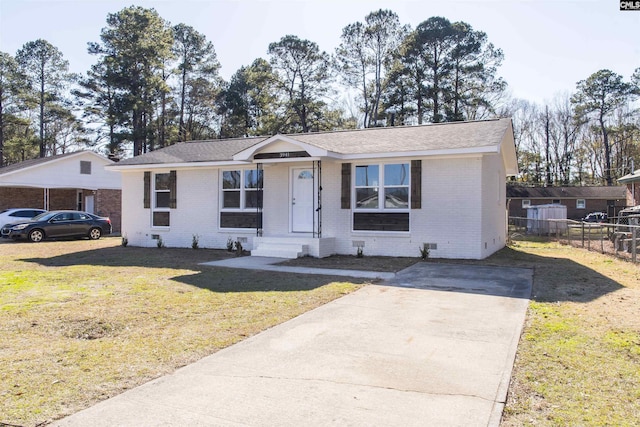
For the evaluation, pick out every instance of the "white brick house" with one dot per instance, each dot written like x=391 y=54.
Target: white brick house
x=388 y=190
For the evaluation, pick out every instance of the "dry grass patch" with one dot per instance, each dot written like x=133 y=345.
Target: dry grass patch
x=579 y=356
x=81 y=321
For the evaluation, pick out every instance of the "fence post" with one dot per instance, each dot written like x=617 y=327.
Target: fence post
x=634 y=247
x=582 y=227
x=601 y=239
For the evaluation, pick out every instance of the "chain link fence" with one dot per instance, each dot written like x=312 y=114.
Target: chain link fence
x=620 y=236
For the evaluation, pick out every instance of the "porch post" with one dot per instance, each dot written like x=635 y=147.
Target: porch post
x=46 y=199
x=260 y=198
x=318 y=209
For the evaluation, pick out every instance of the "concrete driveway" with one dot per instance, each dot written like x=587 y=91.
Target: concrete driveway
x=433 y=346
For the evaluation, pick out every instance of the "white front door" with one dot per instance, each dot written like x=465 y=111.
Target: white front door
x=88 y=202
x=302 y=206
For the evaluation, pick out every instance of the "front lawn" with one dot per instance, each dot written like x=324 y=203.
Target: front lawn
x=578 y=361
x=81 y=321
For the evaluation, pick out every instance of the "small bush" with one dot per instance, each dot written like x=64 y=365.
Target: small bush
x=424 y=252
x=195 y=241
x=125 y=241
x=238 y=248
x=229 y=245
x=360 y=252
x=160 y=243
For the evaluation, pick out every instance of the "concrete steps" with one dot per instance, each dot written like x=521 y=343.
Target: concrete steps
x=279 y=249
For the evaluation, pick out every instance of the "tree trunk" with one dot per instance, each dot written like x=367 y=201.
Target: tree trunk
x=547 y=147
x=138 y=136
x=436 y=88
x=1 y=131
x=42 y=144
x=607 y=151
x=182 y=134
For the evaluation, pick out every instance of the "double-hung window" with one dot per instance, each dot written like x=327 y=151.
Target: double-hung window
x=161 y=198
x=381 y=197
x=382 y=187
x=240 y=188
x=241 y=197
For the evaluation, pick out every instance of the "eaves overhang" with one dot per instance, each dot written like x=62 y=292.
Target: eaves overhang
x=631 y=177
x=449 y=152
x=178 y=165
x=248 y=154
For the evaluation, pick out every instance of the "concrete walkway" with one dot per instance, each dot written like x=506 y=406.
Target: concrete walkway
x=432 y=346
x=271 y=264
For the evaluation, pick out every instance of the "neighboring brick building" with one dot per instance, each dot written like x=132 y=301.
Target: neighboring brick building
x=579 y=201
x=75 y=180
x=632 y=181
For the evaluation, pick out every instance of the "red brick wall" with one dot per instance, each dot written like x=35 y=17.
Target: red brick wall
x=631 y=192
x=592 y=205
x=106 y=202
x=63 y=199
x=109 y=203
x=14 y=197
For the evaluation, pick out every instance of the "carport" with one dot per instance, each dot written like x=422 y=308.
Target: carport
x=75 y=181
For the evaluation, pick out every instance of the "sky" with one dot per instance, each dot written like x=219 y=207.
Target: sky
x=548 y=45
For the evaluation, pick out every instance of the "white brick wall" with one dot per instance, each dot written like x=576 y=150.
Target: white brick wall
x=494 y=211
x=461 y=210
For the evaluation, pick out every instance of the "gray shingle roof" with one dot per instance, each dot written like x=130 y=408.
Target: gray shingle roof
x=594 y=192
x=194 y=151
x=444 y=136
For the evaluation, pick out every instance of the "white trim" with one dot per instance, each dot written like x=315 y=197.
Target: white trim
x=61 y=158
x=154 y=202
x=182 y=165
x=242 y=194
x=289 y=160
x=381 y=189
x=248 y=153
x=457 y=152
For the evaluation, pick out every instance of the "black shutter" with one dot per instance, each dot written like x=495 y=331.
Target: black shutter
x=147 y=190
x=416 y=184
x=345 y=198
x=172 y=190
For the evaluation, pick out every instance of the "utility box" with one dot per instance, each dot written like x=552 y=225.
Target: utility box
x=547 y=219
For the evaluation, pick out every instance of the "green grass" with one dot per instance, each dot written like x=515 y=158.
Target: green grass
x=81 y=321
x=578 y=361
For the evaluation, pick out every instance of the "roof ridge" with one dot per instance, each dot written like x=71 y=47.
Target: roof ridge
x=375 y=128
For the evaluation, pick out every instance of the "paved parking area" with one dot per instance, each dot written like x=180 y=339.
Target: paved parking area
x=433 y=345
